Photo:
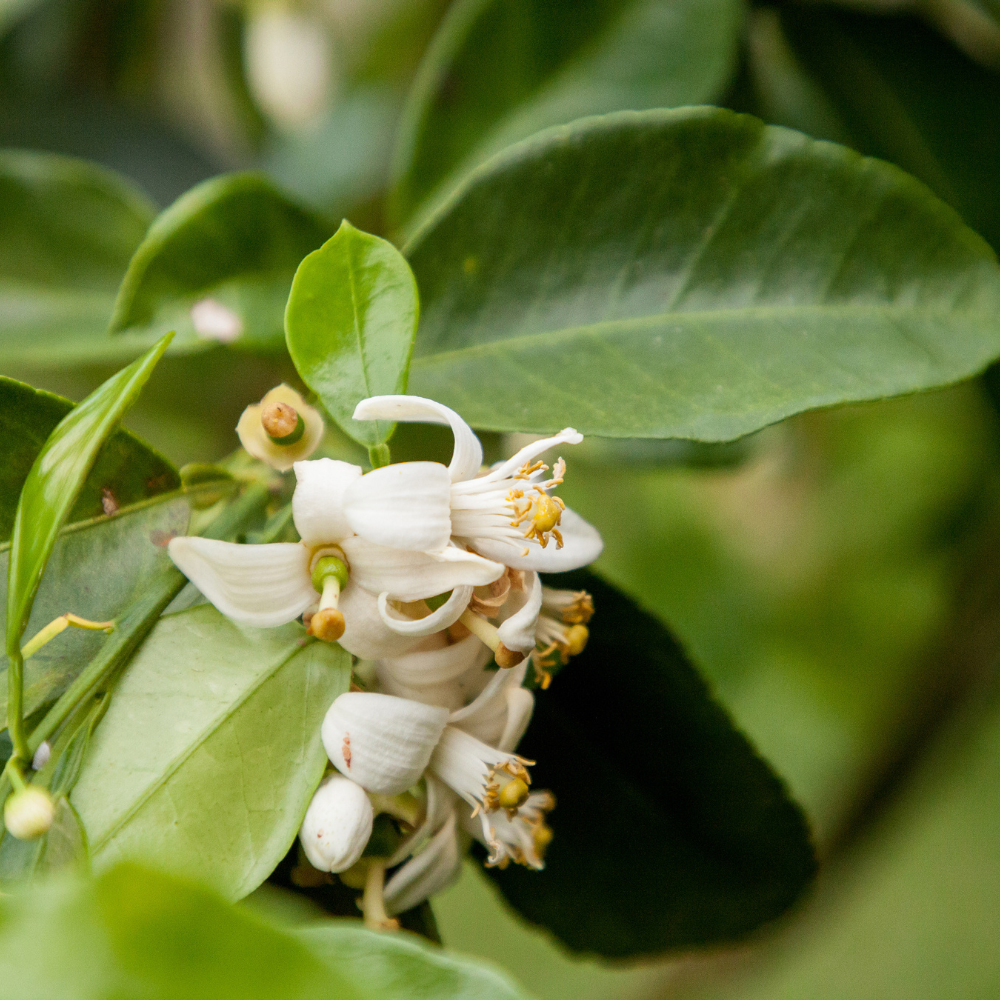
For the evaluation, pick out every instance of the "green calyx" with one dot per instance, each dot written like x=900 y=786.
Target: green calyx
x=325 y=568
x=294 y=437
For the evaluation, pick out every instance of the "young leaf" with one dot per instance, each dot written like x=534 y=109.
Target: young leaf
x=210 y=751
x=692 y=273
x=126 y=471
x=670 y=831
x=217 y=264
x=499 y=71
x=132 y=932
x=350 y=323
x=56 y=479
x=95 y=571
x=67 y=231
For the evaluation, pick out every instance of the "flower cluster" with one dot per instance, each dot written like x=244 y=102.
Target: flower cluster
x=430 y=573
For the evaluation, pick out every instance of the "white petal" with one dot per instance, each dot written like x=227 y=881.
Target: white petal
x=487 y=716
x=317 y=503
x=446 y=615
x=467 y=456
x=430 y=871
x=381 y=742
x=531 y=451
x=582 y=544
x=518 y=630
x=337 y=825
x=365 y=634
x=405 y=506
x=262 y=585
x=412 y=576
x=433 y=666
x=441 y=801
x=520 y=706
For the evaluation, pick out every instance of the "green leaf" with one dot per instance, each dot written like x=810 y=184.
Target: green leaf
x=136 y=933
x=67 y=232
x=670 y=831
x=96 y=570
x=500 y=70
x=126 y=470
x=692 y=273
x=351 y=319
x=210 y=751
x=235 y=240
x=56 y=480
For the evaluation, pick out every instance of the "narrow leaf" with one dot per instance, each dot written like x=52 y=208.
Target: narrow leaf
x=216 y=265
x=56 y=479
x=210 y=751
x=692 y=273
x=670 y=831
x=350 y=323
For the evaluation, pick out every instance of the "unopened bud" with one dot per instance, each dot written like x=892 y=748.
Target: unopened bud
x=28 y=813
x=337 y=825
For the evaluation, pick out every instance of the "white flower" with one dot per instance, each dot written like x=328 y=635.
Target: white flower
x=507 y=514
x=560 y=630
x=281 y=429
x=521 y=836
x=337 y=824
x=268 y=585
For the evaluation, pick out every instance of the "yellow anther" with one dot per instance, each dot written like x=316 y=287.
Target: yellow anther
x=548 y=512
x=576 y=639
x=514 y=794
x=541 y=839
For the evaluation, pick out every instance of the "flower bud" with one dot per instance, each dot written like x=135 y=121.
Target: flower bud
x=337 y=825
x=28 y=813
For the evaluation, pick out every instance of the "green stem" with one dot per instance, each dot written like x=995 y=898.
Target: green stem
x=137 y=622
x=15 y=707
x=12 y=775
x=379 y=455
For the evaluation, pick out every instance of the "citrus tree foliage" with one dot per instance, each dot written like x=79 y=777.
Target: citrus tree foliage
x=573 y=232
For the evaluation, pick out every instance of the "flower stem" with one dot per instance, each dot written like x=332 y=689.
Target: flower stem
x=379 y=455
x=58 y=625
x=373 y=901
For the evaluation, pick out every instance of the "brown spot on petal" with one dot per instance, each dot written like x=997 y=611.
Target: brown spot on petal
x=347 y=750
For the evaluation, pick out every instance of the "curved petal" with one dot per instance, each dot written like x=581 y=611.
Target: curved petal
x=337 y=824
x=432 y=666
x=262 y=585
x=520 y=706
x=405 y=506
x=380 y=741
x=582 y=544
x=486 y=718
x=427 y=873
x=318 y=500
x=412 y=576
x=531 y=451
x=446 y=615
x=467 y=457
x=365 y=634
x=518 y=630
x=441 y=801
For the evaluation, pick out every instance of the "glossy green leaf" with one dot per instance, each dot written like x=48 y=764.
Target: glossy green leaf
x=350 y=323
x=233 y=241
x=692 y=273
x=210 y=751
x=56 y=480
x=136 y=933
x=67 y=232
x=126 y=471
x=500 y=70
x=670 y=830
x=96 y=570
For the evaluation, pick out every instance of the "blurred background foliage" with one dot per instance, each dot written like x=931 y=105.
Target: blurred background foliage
x=835 y=577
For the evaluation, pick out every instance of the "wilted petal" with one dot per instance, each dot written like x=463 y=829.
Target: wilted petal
x=412 y=576
x=381 y=742
x=446 y=615
x=365 y=634
x=517 y=631
x=262 y=585
x=318 y=500
x=406 y=506
x=467 y=456
x=427 y=873
x=337 y=824
x=582 y=544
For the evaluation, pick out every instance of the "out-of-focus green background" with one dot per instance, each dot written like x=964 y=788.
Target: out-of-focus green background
x=831 y=575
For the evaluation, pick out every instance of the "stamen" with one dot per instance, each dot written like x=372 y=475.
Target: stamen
x=373 y=901
x=489 y=635
x=58 y=625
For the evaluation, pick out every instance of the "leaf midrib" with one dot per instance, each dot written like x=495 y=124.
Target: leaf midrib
x=203 y=737
x=686 y=317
